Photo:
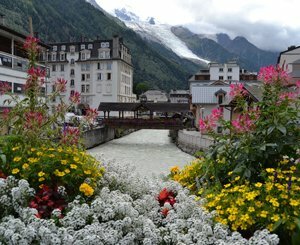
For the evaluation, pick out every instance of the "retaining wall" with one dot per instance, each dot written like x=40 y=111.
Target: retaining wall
x=192 y=141
x=97 y=136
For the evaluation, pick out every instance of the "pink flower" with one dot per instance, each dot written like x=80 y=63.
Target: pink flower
x=273 y=75
x=31 y=44
x=5 y=113
x=60 y=85
x=91 y=114
x=70 y=136
x=210 y=122
x=33 y=120
x=237 y=90
x=288 y=96
x=244 y=123
x=35 y=75
x=4 y=88
x=75 y=97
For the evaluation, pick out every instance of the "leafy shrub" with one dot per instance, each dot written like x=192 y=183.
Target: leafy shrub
x=61 y=166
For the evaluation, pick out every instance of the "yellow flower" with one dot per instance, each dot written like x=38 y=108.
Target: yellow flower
x=41 y=174
x=251 y=209
x=275 y=217
x=73 y=166
x=76 y=159
x=86 y=189
x=174 y=169
x=227 y=185
x=51 y=155
x=63 y=162
x=58 y=173
x=87 y=171
x=51 y=149
x=294 y=202
x=270 y=170
x=59 y=149
x=15 y=171
x=264 y=214
x=237 y=178
x=33 y=149
x=33 y=160
x=17 y=159
x=258 y=184
x=39 y=153
x=67 y=171
x=25 y=166
x=16 y=148
x=41 y=179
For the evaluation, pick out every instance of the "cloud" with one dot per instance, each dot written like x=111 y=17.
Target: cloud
x=269 y=24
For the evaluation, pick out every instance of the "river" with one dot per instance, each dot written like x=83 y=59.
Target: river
x=150 y=151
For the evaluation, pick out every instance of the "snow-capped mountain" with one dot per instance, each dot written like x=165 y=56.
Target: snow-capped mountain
x=153 y=30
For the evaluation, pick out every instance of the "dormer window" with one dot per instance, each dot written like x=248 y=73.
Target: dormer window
x=63 y=47
x=220 y=94
x=83 y=56
x=220 y=99
x=82 y=46
x=54 y=48
x=72 y=49
x=54 y=57
x=62 y=57
x=90 y=46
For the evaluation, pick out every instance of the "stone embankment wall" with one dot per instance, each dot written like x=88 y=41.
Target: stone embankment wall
x=100 y=135
x=192 y=141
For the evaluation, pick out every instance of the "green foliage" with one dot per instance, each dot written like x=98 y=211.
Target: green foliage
x=59 y=166
x=141 y=88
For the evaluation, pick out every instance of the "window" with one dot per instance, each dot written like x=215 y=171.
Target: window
x=72 y=49
x=220 y=99
x=53 y=67
x=62 y=68
x=221 y=77
x=83 y=56
x=82 y=77
x=62 y=57
x=108 y=65
x=219 y=129
x=90 y=46
x=53 y=57
x=63 y=47
x=72 y=73
x=72 y=92
x=220 y=69
x=54 y=48
x=99 y=76
x=99 y=88
x=82 y=46
x=108 y=76
x=85 y=67
x=102 y=54
x=105 y=45
x=108 y=88
x=72 y=83
x=72 y=61
x=82 y=88
x=107 y=54
x=53 y=88
x=229 y=77
x=88 y=76
x=87 y=88
x=229 y=69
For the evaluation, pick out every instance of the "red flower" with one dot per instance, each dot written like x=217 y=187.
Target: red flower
x=31 y=44
x=165 y=212
x=166 y=196
x=33 y=120
x=91 y=114
x=60 y=85
x=4 y=88
x=70 y=136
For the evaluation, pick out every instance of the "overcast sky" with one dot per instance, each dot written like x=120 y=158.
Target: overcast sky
x=269 y=24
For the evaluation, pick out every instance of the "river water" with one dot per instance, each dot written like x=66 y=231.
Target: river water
x=150 y=151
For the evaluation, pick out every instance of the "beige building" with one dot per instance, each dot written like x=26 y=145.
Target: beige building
x=290 y=61
x=101 y=70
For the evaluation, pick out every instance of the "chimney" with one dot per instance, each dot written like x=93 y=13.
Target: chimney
x=2 y=19
x=82 y=38
x=291 y=47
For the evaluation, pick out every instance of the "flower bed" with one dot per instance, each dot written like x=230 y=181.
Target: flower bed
x=125 y=210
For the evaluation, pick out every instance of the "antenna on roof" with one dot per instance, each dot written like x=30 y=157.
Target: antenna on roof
x=30 y=26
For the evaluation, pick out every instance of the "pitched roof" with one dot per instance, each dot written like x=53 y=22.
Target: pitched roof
x=157 y=107
x=206 y=94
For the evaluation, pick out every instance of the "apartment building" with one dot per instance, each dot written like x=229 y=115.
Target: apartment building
x=101 y=70
x=290 y=61
x=13 y=62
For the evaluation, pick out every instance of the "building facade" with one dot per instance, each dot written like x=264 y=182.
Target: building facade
x=101 y=70
x=290 y=61
x=179 y=96
x=13 y=63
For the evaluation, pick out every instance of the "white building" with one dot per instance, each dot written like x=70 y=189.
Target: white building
x=179 y=96
x=155 y=96
x=290 y=61
x=13 y=63
x=205 y=98
x=101 y=70
x=224 y=72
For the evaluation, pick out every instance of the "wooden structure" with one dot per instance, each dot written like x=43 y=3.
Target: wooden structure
x=145 y=115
